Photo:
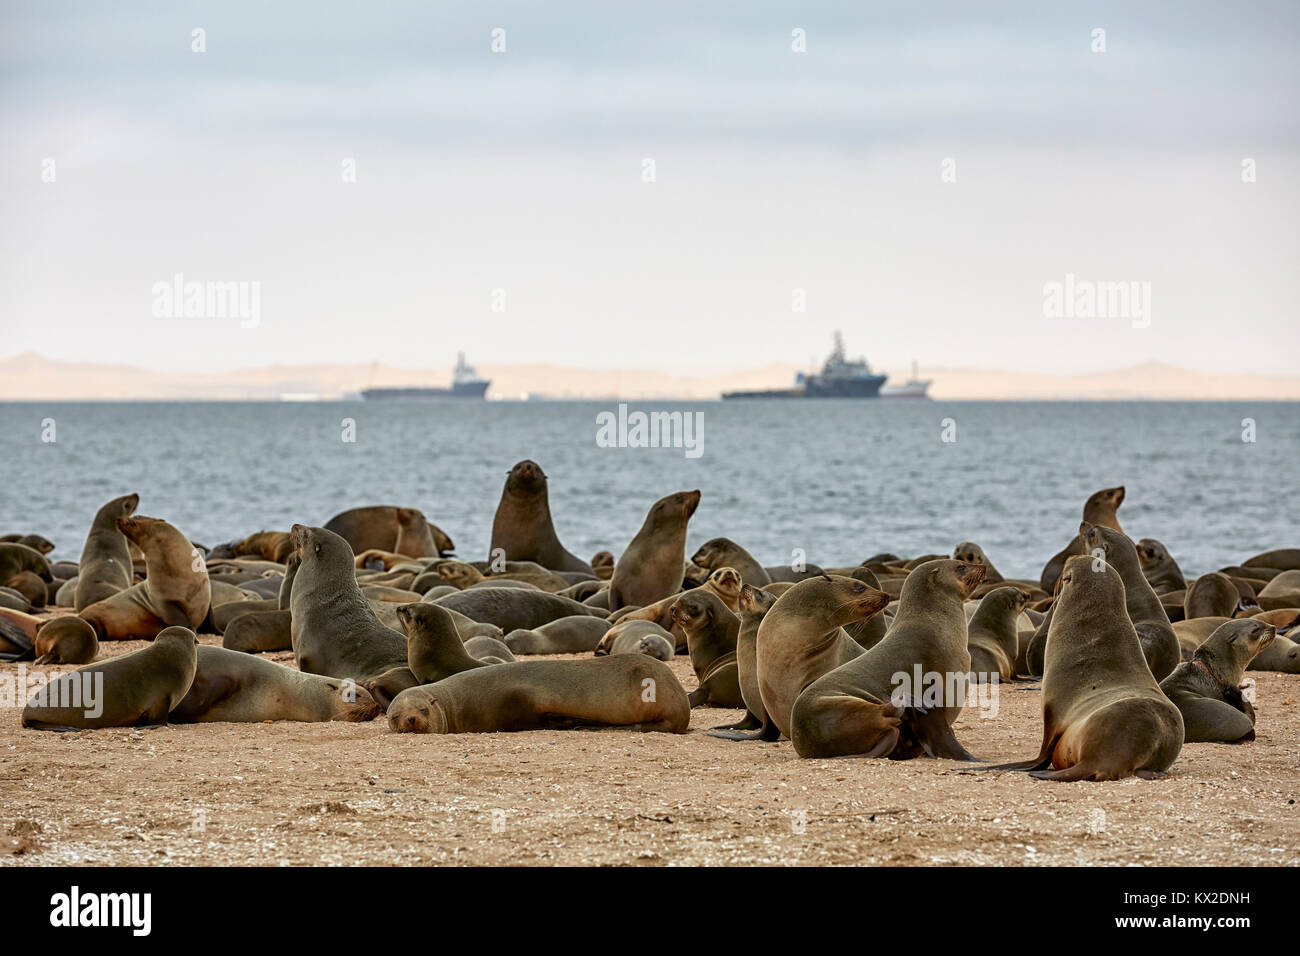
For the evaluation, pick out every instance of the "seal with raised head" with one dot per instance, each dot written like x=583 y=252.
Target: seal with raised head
x=711 y=631
x=388 y=528
x=139 y=688
x=105 y=567
x=240 y=688
x=754 y=604
x=1156 y=634
x=725 y=553
x=522 y=528
x=1207 y=689
x=1100 y=509
x=175 y=591
x=334 y=629
x=653 y=566
x=866 y=706
x=434 y=650
x=1159 y=567
x=628 y=690
x=969 y=552
x=992 y=637
x=802 y=637
x=1104 y=715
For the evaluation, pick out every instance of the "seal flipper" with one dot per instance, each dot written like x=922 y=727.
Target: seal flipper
x=748 y=722
x=768 y=733
x=935 y=734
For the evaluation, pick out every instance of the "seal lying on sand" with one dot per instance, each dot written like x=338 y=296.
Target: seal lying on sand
x=628 y=690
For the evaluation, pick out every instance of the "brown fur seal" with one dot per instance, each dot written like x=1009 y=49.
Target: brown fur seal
x=1104 y=715
x=1156 y=634
x=387 y=528
x=802 y=637
x=66 y=640
x=1281 y=592
x=135 y=689
x=1285 y=559
x=637 y=637
x=575 y=634
x=461 y=576
x=968 y=552
x=711 y=631
x=602 y=565
x=522 y=528
x=1159 y=568
x=34 y=541
x=489 y=649
x=335 y=631
x=630 y=690
x=26 y=571
x=268 y=545
x=105 y=567
x=861 y=707
x=434 y=650
x=991 y=634
x=240 y=688
x=725 y=553
x=1207 y=689
x=1099 y=509
x=651 y=568
x=867 y=633
x=175 y=592
x=513 y=608
x=1211 y=595
x=754 y=604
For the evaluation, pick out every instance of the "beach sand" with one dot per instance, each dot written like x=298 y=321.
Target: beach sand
x=339 y=793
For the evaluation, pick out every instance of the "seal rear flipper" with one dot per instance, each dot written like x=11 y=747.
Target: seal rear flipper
x=768 y=733
x=698 y=697
x=935 y=734
x=748 y=722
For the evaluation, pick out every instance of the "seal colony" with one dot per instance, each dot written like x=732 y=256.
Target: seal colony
x=874 y=660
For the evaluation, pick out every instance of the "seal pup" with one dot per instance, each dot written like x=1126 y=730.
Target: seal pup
x=637 y=637
x=865 y=705
x=724 y=553
x=653 y=566
x=711 y=632
x=66 y=640
x=802 y=637
x=175 y=591
x=139 y=688
x=240 y=688
x=992 y=635
x=1104 y=715
x=1100 y=509
x=627 y=690
x=1207 y=689
x=333 y=628
x=105 y=566
x=522 y=528
x=1156 y=634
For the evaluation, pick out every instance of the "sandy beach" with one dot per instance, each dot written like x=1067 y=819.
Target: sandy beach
x=226 y=794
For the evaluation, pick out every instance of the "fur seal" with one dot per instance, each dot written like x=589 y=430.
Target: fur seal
x=628 y=690
x=175 y=591
x=139 y=688
x=1207 y=689
x=724 y=553
x=968 y=552
x=638 y=637
x=522 y=528
x=66 y=640
x=434 y=650
x=105 y=566
x=575 y=634
x=602 y=565
x=1099 y=509
x=1156 y=634
x=1285 y=559
x=652 y=567
x=1281 y=592
x=1211 y=595
x=754 y=604
x=1104 y=715
x=802 y=637
x=514 y=608
x=240 y=688
x=860 y=707
x=1159 y=568
x=334 y=630
x=711 y=632
x=388 y=528
x=489 y=649
x=992 y=634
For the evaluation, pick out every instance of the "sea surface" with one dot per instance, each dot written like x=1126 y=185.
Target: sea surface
x=838 y=480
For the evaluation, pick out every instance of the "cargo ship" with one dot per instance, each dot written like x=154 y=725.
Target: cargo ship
x=839 y=378
x=465 y=383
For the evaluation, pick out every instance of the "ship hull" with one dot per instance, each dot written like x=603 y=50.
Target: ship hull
x=460 y=390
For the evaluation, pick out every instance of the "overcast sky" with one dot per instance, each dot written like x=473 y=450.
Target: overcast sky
x=774 y=171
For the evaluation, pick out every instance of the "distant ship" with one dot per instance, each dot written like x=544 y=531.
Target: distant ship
x=839 y=378
x=465 y=383
x=915 y=388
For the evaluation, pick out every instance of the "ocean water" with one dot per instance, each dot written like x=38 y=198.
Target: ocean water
x=839 y=480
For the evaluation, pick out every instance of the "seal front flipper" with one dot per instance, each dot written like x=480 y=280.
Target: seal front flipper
x=935 y=734
x=748 y=722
